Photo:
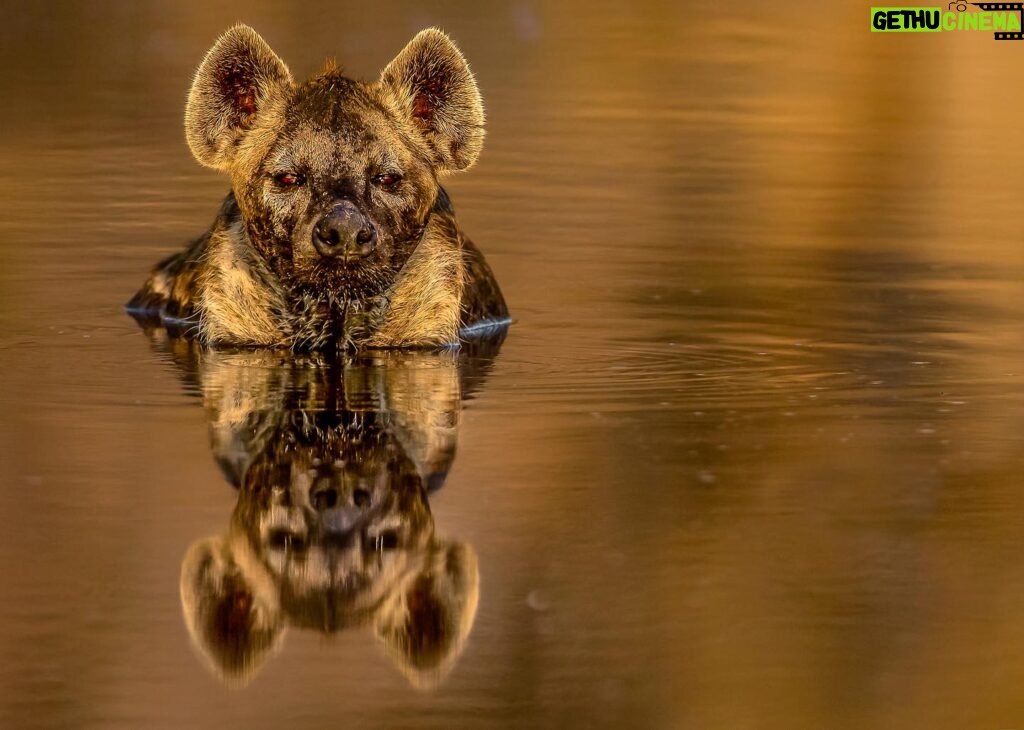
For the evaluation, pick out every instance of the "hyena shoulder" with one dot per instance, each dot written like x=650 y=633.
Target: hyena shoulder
x=217 y=290
x=239 y=302
x=447 y=291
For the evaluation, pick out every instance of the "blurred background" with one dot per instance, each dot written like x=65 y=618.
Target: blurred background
x=750 y=457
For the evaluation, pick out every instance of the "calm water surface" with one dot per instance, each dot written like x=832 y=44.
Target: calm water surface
x=751 y=455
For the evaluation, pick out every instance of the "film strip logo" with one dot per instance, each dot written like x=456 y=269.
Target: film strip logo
x=1000 y=7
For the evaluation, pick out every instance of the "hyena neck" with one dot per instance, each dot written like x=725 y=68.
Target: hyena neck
x=243 y=302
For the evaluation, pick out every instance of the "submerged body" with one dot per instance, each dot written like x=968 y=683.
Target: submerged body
x=337 y=233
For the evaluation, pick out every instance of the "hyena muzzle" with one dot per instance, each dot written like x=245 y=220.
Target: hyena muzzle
x=337 y=233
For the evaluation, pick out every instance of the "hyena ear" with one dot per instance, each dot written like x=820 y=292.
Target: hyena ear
x=234 y=619
x=240 y=79
x=426 y=620
x=432 y=85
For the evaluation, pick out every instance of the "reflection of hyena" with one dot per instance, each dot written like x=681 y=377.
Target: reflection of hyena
x=332 y=527
x=336 y=233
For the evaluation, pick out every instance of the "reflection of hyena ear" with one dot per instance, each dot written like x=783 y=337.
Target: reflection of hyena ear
x=425 y=621
x=239 y=80
x=432 y=85
x=233 y=617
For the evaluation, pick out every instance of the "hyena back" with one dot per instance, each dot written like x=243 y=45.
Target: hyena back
x=337 y=233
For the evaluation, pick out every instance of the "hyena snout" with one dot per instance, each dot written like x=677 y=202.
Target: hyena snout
x=344 y=231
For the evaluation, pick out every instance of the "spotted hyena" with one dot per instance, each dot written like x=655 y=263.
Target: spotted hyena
x=336 y=233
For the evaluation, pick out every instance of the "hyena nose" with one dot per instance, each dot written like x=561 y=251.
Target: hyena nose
x=344 y=231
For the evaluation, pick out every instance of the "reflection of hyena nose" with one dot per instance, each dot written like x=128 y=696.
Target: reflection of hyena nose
x=344 y=231
x=338 y=511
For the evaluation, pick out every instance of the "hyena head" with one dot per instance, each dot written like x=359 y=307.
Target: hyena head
x=335 y=178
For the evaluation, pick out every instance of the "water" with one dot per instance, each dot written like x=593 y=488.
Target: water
x=750 y=456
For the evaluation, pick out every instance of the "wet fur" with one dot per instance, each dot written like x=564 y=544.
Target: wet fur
x=252 y=280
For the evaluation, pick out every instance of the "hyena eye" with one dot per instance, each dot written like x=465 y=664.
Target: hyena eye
x=289 y=179
x=386 y=180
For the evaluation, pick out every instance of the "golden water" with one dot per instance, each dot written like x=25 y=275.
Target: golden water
x=750 y=457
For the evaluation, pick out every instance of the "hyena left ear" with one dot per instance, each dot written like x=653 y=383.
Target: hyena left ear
x=432 y=85
x=426 y=620
x=238 y=82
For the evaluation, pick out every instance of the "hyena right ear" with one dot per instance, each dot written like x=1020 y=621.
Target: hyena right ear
x=432 y=85
x=238 y=82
